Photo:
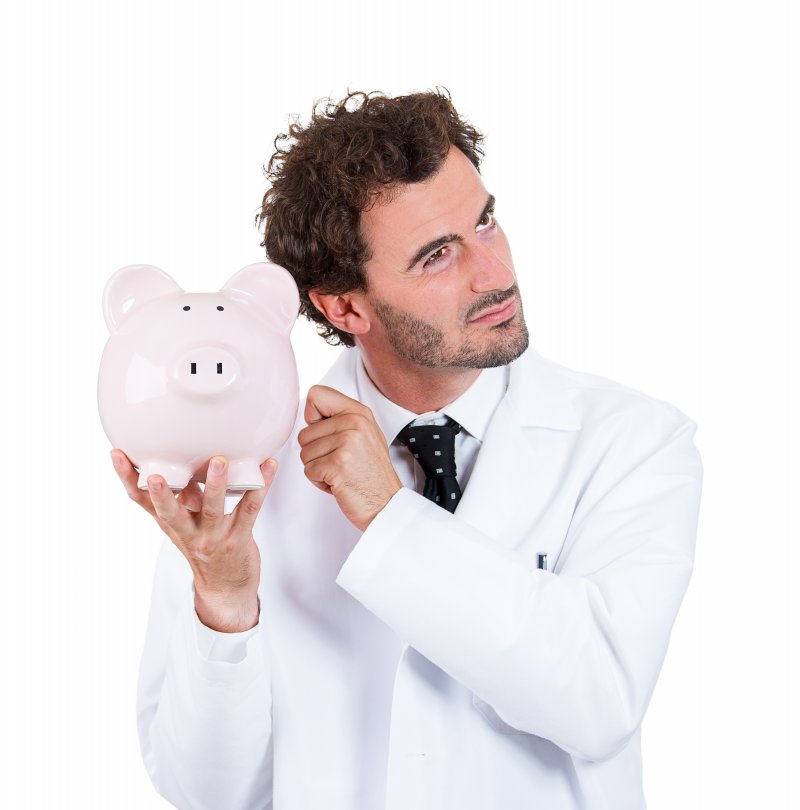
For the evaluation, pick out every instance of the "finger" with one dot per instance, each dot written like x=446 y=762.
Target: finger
x=323 y=401
x=130 y=479
x=320 y=485
x=246 y=511
x=340 y=423
x=321 y=473
x=168 y=510
x=191 y=496
x=320 y=447
x=212 y=511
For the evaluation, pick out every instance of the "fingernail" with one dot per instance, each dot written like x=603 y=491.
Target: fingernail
x=153 y=484
x=216 y=465
x=116 y=459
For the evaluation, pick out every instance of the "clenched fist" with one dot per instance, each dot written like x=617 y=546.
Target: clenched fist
x=345 y=453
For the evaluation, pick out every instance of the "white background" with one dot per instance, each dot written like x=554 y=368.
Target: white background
x=645 y=162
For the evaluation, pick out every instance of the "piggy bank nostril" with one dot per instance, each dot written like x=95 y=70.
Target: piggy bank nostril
x=205 y=370
x=186 y=307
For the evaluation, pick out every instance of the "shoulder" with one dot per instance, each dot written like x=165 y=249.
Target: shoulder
x=606 y=405
x=626 y=434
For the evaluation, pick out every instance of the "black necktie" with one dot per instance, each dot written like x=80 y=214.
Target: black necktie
x=434 y=447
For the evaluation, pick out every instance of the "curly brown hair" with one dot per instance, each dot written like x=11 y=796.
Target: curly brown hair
x=340 y=165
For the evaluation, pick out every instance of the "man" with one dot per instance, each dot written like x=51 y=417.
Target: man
x=482 y=634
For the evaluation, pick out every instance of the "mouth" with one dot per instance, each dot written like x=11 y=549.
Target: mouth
x=499 y=313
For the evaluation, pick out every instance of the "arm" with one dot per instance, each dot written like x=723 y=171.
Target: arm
x=571 y=656
x=204 y=716
x=204 y=725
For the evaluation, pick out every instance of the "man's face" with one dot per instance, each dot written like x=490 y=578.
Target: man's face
x=426 y=300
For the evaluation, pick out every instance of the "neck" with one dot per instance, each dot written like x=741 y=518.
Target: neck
x=416 y=388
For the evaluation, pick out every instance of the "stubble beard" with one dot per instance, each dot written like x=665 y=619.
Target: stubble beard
x=423 y=343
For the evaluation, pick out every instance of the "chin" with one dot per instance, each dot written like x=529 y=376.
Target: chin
x=504 y=349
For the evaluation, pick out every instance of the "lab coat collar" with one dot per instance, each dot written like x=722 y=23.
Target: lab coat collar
x=538 y=396
x=537 y=391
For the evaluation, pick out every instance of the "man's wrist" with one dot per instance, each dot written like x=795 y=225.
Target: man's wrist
x=226 y=614
x=391 y=493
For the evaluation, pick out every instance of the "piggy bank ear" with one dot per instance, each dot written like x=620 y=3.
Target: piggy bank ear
x=130 y=287
x=269 y=287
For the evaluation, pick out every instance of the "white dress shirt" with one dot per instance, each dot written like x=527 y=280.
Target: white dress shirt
x=473 y=410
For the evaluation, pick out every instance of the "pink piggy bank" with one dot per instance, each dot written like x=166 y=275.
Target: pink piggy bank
x=186 y=376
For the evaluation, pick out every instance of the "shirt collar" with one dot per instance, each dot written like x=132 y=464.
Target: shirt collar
x=541 y=393
x=472 y=410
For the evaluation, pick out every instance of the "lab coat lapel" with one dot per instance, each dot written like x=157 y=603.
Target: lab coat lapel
x=524 y=452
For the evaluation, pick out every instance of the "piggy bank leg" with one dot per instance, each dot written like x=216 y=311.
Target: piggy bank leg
x=244 y=474
x=176 y=475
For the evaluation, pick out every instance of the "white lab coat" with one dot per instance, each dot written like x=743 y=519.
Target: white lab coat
x=427 y=663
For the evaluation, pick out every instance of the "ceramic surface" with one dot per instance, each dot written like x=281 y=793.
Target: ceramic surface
x=187 y=376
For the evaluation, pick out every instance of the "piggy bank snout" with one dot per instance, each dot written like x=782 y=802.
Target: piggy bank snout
x=205 y=370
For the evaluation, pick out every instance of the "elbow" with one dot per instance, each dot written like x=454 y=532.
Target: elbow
x=603 y=720
x=590 y=735
x=609 y=723
x=602 y=744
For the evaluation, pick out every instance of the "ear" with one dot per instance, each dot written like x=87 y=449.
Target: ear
x=268 y=287
x=342 y=310
x=130 y=287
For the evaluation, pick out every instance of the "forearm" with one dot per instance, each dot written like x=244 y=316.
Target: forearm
x=572 y=657
x=204 y=725
x=526 y=642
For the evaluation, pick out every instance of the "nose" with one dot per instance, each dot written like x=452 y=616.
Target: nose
x=205 y=370
x=491 y=269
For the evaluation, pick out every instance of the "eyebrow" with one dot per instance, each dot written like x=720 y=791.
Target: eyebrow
x=452 y=237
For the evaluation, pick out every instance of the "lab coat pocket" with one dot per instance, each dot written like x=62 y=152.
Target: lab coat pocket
x=493 y=718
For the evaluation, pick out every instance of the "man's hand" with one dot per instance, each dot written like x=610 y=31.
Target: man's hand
x=220 y=548
x=345 y=453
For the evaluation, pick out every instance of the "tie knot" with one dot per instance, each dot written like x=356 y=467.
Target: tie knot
x=433 y=446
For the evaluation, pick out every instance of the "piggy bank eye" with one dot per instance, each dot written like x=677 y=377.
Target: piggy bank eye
x=220 y=307
x=186 y=307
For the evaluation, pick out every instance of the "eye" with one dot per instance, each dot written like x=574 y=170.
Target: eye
x=437 y=256
x=492 y=221
x=432 y=260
